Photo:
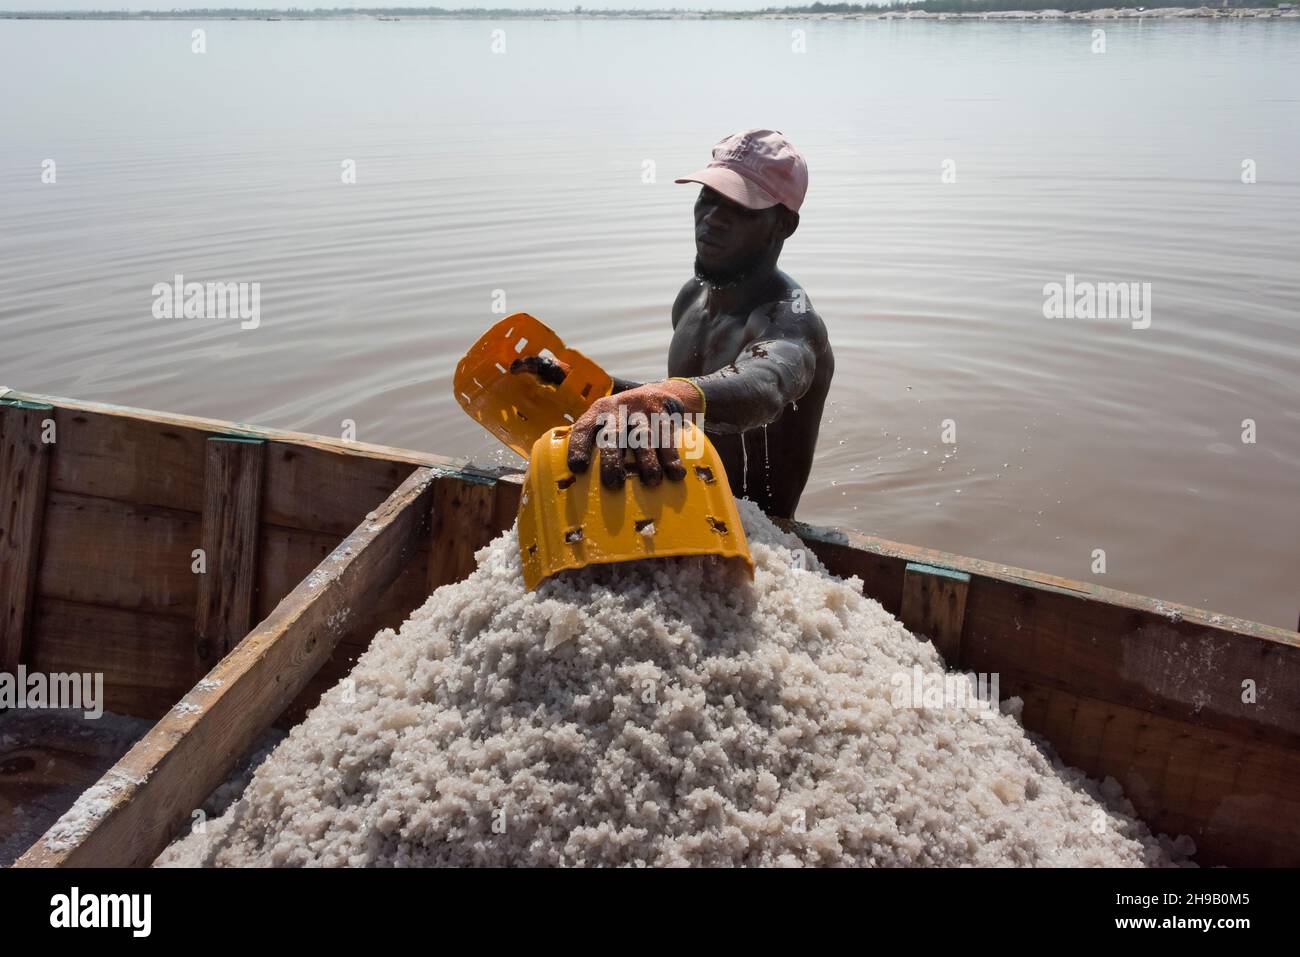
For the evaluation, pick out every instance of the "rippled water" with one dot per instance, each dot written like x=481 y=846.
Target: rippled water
x=523 y=172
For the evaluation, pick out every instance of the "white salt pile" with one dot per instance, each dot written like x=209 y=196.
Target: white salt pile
x=659 y=713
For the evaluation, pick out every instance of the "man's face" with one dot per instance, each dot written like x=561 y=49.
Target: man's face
x=730 y=240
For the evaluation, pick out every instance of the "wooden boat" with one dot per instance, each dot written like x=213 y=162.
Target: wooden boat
x=312 y=544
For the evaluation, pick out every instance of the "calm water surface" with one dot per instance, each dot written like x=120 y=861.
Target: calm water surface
x=523 y=172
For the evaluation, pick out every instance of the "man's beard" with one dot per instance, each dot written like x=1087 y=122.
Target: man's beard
x=722 y=277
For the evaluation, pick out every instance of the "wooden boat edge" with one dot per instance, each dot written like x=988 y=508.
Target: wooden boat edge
x=963 y=605
x=821 y=534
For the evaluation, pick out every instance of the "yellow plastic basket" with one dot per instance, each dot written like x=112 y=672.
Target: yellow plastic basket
x=570 y=521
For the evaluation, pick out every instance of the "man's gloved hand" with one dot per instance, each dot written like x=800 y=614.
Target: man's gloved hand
x=550 y=371
x=641 y=426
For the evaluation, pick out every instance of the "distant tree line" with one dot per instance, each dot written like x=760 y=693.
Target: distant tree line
x=989 y=6
x=290 y=12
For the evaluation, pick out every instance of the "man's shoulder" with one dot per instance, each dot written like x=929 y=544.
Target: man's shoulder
x=691 y=289
x=689 y=293
x=791 y=313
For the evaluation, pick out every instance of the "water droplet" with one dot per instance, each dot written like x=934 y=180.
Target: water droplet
x=744 y=466
x=767 y=465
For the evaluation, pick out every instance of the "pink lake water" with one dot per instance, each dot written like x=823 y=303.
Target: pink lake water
x=523 y=172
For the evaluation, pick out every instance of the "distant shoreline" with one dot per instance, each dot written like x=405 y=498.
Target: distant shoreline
x=392 y=14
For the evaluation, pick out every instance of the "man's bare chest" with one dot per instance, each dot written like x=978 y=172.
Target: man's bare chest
x=702 y=344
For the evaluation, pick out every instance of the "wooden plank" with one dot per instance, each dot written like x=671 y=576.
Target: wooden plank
x=136 y=456
x=287 y=556
x=464 y=519
x=103 y=552
x=1170 y=659
x=208 y=427
x=1239 y=800
x=934 y=606
x=128 y=460
x=231 y=517
x=509 y=489
x=1162 y=664
x=848 y=552
x=150 y=793
x=390 y=610
x=144 y=658
x=325 y=491
x=24 y=468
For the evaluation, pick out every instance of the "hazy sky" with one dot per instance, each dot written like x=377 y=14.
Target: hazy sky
x=448 y=4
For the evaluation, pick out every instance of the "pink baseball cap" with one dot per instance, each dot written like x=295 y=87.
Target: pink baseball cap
x=757 y=169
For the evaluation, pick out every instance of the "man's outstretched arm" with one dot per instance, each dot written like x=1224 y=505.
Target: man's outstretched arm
x=553 y=372
x=752 y=391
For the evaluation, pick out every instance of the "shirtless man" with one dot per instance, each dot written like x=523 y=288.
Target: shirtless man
x=748 y=349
